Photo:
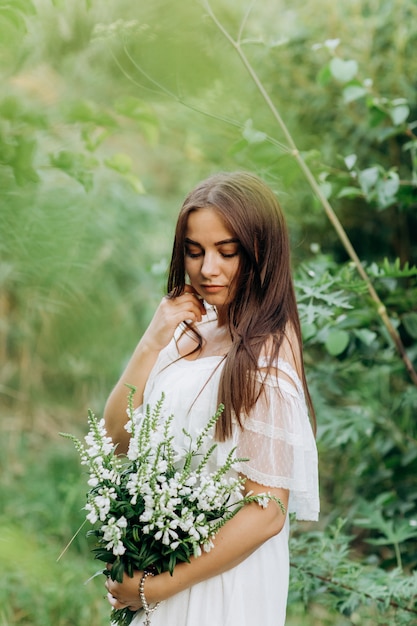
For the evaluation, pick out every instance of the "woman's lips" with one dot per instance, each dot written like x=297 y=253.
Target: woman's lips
x=211 y=288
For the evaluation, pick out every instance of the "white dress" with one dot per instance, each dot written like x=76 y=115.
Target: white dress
x=280 y=444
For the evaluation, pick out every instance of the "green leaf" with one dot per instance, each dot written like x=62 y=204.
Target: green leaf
x=368 y=178
x=324 y=76
x=410 y=323
x=399 y=114
x=376 y=115
x=94 y=136
x=22 y=161
x=76 y=165
x=353 y=92
x=343 y=71
x=332 y=44
x=308 y=331
x=251 y=134
x=120 y=163
x=366 y=336
x=350 y=192
x=410 y=146
x=336 y=341
x=86 y=111
x=392 y=269
x=143 y=114
x=350 y=160
x=135 y=182
x=326 y=189
x=387 y=190
x=117 y=570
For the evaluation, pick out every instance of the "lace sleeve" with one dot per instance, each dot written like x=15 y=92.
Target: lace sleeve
x=279 y=443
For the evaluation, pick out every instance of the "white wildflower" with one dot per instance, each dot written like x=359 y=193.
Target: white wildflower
x=113 y=533
x=92 y=515
x=208 y=545
x=133 y=450
x=146 y=515
x=173 y=505
x=119 y=549
x=263 y=500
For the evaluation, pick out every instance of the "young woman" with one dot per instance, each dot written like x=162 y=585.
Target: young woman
x=229 y=332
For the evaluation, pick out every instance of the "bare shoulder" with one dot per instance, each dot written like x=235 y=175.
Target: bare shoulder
x=290 y=351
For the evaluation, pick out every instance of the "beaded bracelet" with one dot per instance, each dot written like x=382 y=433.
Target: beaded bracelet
x=145 y=605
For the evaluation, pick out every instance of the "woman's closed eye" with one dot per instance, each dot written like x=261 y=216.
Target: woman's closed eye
x=194 y=253
x=228 y=255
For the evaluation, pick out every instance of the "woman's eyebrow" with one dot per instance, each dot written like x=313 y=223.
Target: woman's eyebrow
x=225 y=241
x=192 y=243
x=218 y=243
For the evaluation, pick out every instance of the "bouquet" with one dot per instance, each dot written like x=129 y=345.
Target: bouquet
x=157 y=505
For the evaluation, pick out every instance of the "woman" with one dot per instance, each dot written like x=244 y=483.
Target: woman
x=229 y=332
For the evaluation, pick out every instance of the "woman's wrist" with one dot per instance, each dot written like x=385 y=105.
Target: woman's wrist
x=147 y=606
x=152 y=588
x=164 y=586
x=147 y=346
x=159 y=587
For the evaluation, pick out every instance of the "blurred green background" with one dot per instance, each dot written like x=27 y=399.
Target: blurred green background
x=109 y=114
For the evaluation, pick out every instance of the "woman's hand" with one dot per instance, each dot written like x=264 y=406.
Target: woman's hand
x=125 y=594
x=169 y=314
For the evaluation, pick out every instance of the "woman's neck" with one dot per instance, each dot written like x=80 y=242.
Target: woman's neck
x=216 y=340
x=222 y=317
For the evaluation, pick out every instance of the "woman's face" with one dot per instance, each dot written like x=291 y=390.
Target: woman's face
x=212 y=255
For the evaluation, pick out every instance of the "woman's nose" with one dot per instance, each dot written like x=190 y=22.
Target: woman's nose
x=210 y=266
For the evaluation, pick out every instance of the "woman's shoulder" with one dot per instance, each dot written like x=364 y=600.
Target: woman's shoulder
x=287 y=364
x=289 y=351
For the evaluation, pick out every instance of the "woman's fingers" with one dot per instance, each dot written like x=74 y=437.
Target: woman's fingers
x=169 y=314
x=125 y=594
x=189 y=303
x=113 y=601
x=196 y=298
x=192 y=291
x=173 y=311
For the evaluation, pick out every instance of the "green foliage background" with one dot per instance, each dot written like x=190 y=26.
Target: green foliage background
x=109 y=113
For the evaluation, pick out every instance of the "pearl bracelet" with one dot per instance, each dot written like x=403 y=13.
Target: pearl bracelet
x=145 y=605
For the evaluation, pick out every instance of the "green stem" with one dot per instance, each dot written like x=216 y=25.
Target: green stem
x=398 y=556
x=380 y=307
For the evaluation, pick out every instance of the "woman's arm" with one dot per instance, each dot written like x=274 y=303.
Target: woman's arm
x=234 y=542
x=169 y=314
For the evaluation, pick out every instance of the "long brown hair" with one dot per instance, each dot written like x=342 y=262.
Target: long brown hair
x=264 y=304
